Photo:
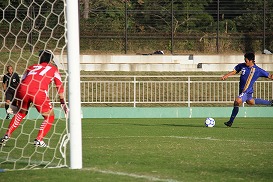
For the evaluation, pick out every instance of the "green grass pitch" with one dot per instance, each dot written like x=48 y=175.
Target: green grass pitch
x=168 y=150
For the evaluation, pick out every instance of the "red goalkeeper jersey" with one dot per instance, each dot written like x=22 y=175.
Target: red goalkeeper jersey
x=38 y=77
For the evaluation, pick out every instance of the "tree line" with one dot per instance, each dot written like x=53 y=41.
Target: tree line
x=128 y=19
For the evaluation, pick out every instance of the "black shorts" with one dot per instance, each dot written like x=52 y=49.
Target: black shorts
x=9 y=94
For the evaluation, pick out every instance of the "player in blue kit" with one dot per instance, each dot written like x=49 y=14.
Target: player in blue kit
x=250 y=72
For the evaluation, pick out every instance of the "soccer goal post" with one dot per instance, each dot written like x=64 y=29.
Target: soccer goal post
x=74 y=85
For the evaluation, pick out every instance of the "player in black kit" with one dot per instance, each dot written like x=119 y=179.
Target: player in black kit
x=10 y=83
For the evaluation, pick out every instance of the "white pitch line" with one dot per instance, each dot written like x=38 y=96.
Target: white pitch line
x=181 y=137
x=150 y=178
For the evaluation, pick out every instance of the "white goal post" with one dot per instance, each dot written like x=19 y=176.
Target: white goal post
x=74 y=85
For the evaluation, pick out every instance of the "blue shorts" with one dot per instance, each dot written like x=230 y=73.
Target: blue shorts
x=245 y=97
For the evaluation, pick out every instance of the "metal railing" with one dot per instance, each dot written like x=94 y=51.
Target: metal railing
x=164 y=91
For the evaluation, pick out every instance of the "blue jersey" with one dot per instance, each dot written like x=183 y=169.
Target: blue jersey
x=248 y=76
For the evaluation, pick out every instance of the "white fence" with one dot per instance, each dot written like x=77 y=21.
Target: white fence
x=166 y=90
x=153 y=91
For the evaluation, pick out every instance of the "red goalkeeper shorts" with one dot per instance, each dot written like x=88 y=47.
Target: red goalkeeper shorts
x=40 y=100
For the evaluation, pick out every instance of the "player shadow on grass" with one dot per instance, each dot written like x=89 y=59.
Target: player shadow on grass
x=165 y=124
x=184 y=125
x=221 y=125
x=197 y=124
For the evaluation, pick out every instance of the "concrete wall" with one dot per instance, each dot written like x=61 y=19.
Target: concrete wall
x=173 y=112
x=170 y=63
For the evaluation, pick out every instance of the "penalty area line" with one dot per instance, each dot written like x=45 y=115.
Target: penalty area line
x=150 y=178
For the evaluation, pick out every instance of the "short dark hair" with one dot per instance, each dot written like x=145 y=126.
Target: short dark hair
x=8 y=67
x=250 y=56
x=45 y=56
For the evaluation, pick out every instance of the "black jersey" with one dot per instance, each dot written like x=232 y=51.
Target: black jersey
x=12 y=80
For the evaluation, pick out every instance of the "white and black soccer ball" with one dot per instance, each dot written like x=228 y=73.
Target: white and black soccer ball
x=209 y=122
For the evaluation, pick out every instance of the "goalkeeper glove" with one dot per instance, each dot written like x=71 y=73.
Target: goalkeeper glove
x=63 y=105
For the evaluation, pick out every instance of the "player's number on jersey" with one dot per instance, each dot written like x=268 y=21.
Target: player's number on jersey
x=38 y=69
x=243 y=71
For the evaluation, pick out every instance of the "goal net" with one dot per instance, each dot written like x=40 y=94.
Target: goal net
x=27 y=27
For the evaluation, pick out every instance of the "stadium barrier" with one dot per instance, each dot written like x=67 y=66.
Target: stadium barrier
x=163 y=96
x=159 y=112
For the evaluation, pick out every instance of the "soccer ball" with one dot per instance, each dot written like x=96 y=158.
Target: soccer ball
x=209 y=122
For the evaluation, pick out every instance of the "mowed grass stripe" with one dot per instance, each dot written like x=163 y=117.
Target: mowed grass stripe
x=179 y=137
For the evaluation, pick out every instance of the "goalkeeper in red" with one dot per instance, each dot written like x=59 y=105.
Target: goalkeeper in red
x=33 y=89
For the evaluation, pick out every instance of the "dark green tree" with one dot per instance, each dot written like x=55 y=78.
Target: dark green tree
x=156 y=16
x=251 y=23
x=190 y=16
x=105 y=16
